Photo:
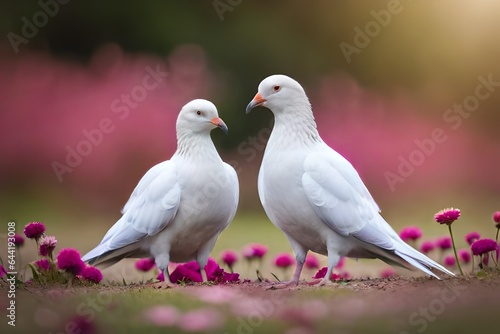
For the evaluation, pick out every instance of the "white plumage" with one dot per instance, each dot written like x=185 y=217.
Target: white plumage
x=314 y=195
x=180 y=206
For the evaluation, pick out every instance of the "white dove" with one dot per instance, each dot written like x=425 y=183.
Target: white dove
x=315 y=196
x=181 y=205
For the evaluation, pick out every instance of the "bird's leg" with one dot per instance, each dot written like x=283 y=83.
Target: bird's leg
x=166 y=282
x=203 y=254
x=333 y=260
x=325 y=280
x=203 y=273
x=293 y=282
x=300 y=257
x=202 y=262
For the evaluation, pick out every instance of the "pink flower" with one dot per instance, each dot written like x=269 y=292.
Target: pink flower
x=145 y=265
x=162 y=315
x=190 y=272
x=18 y=240
x=202 y=320
x=69 y=259
x=229 y=258
x=447 y=216
x=483 y=246
x=450 y=261
x=471 y=237
x=252 y=251
x=322 y=272
x=47 y=245
x=464 y=255
x=341 y=263
x=91 y=274
x=426 y=247
x=284 y=260
x=3 y=272
x=496 y=219
x=388 y=272
x=311 y=261
x=187 y=272
x=444 y=243
x=410 y=233
x=34 y=230
x=43 y=264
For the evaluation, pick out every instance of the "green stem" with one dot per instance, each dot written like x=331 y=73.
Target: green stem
x=498 y=229
x=455 y=251
x=472 y=260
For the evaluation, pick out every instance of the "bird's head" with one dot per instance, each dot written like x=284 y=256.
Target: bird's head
x=276 y=92
x=200 y=116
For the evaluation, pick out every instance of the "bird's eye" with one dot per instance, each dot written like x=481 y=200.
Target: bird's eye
x=276 y=88
x=198 y=113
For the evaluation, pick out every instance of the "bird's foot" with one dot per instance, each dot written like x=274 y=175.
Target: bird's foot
x=320 y=282
x=163 y=285
x=283 y=285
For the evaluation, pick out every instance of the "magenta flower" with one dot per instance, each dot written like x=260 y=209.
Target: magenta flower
x=447 y=216
x=18 y=240
x=388 y=272
x=320 y=273
x=47 y=245
x=311 y=261
x=464 y=255
x=410 y=233
x=34 y=230
x=229 y=257
x=341 y=263
x=91 y=274
x=69 y=259
x=3 y=272
x=43 y=264
x=335 y=277
x=444 y=243
x=426 y=247
x=145 y=265
x=190 y=272
x=496 y=218
x=483 y=246
x=187 y=272
x=450 y=261
x=471 y=237
x=254 y=251
x=284 y=260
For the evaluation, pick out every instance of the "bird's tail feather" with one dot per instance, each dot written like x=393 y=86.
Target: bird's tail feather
x=103 y=259
x=403 y=256
x=419 y=260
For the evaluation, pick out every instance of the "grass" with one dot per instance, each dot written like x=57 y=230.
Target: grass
x=358 y=306
x=375 y=306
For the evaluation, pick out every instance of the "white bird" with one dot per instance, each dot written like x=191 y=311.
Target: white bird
x=181 y=205
x=315 y=196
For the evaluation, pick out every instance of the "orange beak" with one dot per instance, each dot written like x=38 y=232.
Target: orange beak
x=218 y=122
x=258 y=100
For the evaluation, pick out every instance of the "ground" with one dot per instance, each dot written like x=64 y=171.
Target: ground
x=394 y=305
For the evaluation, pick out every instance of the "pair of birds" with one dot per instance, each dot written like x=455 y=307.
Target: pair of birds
x=308 y=190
